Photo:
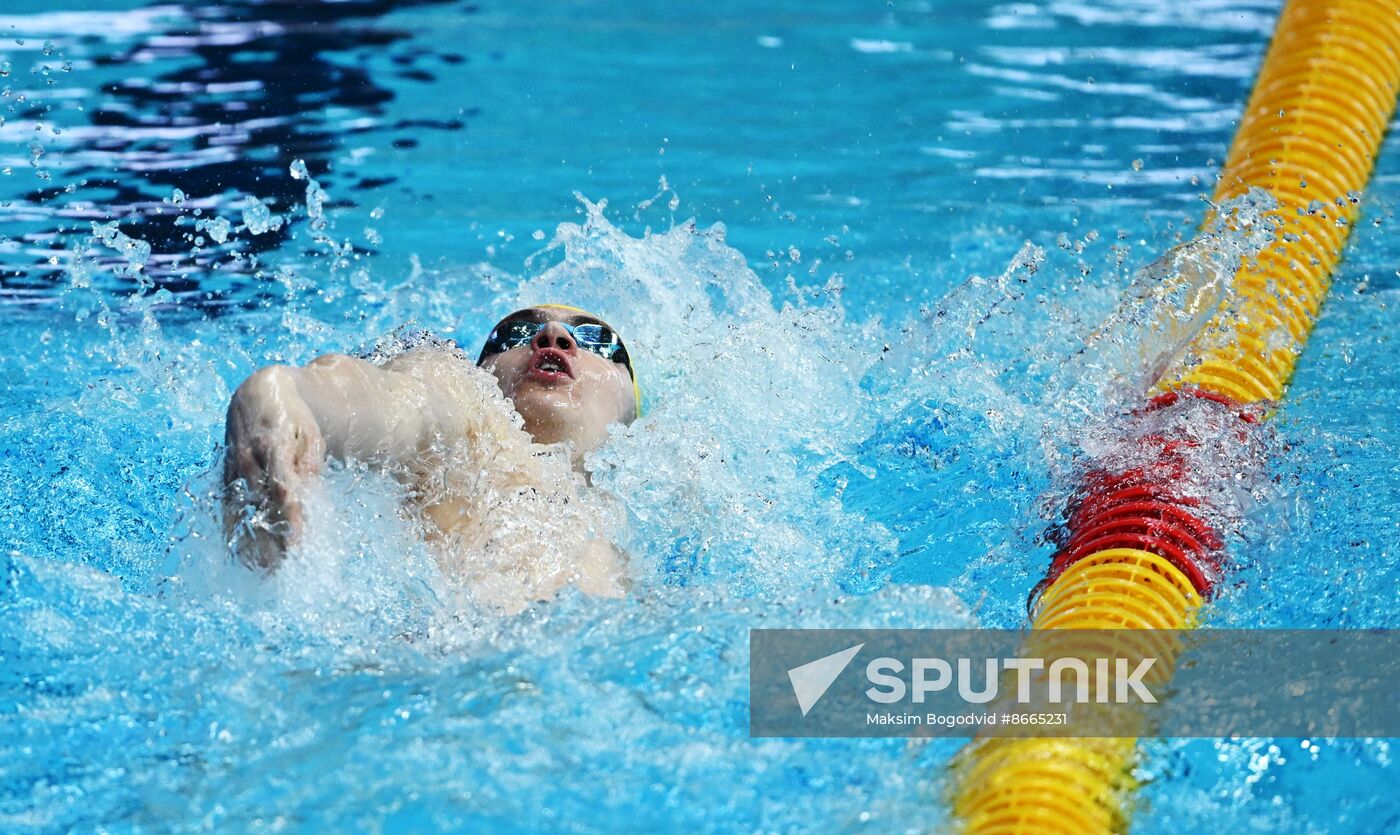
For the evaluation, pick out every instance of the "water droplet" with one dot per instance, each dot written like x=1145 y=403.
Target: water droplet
x=136 y=252
x=217 y=227
x=258 y=218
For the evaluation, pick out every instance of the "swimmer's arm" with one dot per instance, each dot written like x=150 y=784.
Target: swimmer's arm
x=366 y=413
x=285 y=421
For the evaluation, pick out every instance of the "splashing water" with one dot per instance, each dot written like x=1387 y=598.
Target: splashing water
x=732 y=523
x=747 y=405
x=148 y=682
x=757 y=493
x=790 y=463
x=1170 y=301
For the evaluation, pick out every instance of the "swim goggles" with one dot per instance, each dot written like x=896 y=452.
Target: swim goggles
x=589 y=333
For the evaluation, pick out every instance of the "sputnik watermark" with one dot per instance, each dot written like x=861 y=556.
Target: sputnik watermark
x=1037 y=681
x=1093 y=683
x=1111 y=682
x=811 y=680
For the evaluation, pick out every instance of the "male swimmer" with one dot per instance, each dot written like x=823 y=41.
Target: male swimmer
x=464 y=440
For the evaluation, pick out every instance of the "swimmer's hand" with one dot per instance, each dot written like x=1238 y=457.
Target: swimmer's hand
x=284 y=421
x=274 y=446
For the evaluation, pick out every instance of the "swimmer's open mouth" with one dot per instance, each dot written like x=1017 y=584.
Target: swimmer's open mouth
x=551 y=365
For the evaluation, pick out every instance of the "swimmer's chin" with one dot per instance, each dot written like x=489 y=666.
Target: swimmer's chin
x=549 y=401
x=545 y=383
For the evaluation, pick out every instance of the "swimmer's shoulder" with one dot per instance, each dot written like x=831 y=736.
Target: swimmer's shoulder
x=420 y=361
x=419 y=352
x=448 y=373
x=461 y=394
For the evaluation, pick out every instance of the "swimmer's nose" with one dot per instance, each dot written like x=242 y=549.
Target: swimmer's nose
x=553 y=335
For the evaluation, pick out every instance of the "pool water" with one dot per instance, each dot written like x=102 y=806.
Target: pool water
x=856 y=250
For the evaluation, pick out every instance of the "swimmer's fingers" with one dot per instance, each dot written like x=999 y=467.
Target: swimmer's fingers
x=294 y=457
x=246 y=528
x=244 y=479
x=263 y=513
x=273 y=447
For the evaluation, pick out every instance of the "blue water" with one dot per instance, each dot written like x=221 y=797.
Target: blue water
x=861 y=393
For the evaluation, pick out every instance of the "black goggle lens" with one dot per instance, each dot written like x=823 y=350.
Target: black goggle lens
x=595 y=338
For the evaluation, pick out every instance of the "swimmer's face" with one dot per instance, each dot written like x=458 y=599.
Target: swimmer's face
x=566 y=373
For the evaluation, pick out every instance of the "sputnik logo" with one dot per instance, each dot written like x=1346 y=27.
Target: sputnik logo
x=811 y=680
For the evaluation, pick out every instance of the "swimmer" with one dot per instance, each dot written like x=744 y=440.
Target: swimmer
x=465 y=440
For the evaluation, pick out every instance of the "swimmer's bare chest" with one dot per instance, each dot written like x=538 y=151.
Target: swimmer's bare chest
x=489 y=496
x=477 y=445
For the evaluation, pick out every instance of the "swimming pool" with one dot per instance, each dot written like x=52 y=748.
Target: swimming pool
x=842 y=429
